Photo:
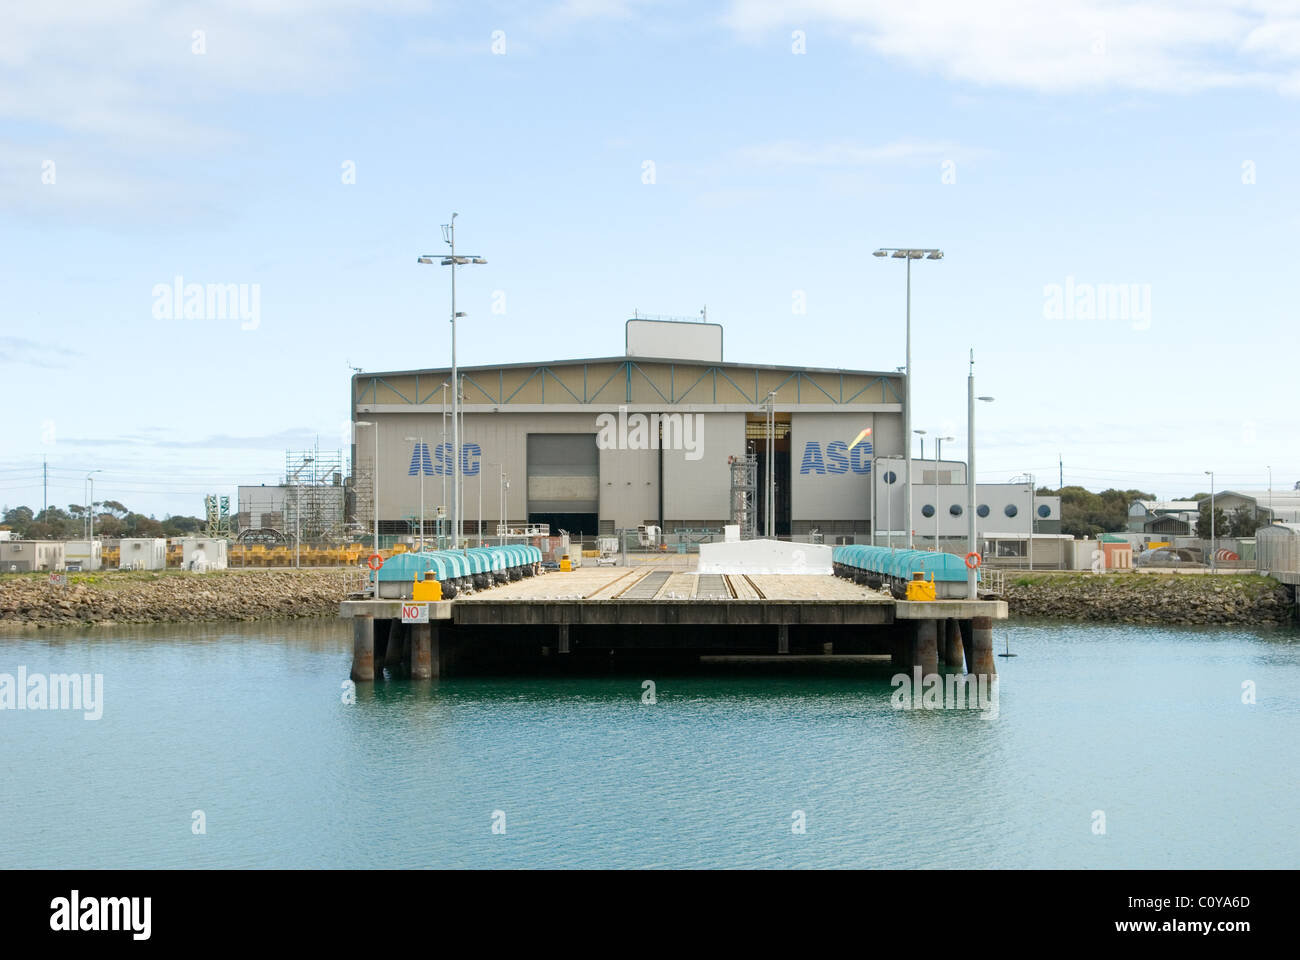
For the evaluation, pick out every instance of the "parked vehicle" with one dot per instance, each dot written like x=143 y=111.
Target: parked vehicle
x=1166 y=557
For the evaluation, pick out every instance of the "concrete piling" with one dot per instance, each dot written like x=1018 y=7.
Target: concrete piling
x=783 y=638
x=953 y=652
x=393 y=650
x=981 y=643
x=925 y=646
x=421 y=652
x=363 y=649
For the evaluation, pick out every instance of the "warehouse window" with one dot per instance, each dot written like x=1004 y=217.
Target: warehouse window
x=982 y=509
x=927 y=511
x=955 y=510
x=1010 y=510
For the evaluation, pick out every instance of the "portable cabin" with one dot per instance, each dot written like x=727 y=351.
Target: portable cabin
x=142 y=553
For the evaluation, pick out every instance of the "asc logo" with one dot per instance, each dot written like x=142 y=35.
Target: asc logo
x=443 y=460
x=839 y=457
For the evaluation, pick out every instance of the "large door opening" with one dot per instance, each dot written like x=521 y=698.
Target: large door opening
x=585 y=524
x=756 y=440
x=564 y=481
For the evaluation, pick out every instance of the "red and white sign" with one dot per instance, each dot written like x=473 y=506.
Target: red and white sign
x=415 y=613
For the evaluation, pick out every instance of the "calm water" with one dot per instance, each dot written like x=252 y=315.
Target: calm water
x=247 y=724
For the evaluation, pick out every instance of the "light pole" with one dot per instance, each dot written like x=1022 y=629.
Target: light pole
x=442 y=455
x=90 y=505
x=1032 y=514
x=972 y=495
x=938 y=448
x=297 y=509
x=1029 y=479
x=769 y=511
x=90 y=482
x=889 y=508
x=453 y=260
x=419 y=465
x=909 y=254
x=907 y=493
x=374 y=480
x=505 y=487
x=1213 y=551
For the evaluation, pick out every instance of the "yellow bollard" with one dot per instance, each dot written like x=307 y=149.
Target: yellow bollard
x=426 y=590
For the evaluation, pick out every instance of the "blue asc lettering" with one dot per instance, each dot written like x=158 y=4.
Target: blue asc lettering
x=440 y=464
x=837 y=458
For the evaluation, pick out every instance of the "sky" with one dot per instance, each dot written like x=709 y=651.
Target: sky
x=1114 y=187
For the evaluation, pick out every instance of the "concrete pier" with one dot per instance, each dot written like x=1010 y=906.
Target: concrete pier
x=953 y=653
x=363 y=648
x=421 y=651
x=981 y=643
x=925 y=646
x=594 y=617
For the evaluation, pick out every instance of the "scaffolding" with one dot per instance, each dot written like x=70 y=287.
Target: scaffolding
x=313 y=502
x=216 y=509
x=360 y=510
x=744 y=490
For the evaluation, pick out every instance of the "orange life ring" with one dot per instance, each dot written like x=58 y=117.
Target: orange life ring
x=973 y=560
x=374 y=561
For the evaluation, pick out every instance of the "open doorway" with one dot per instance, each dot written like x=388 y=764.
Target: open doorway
x=756 y=441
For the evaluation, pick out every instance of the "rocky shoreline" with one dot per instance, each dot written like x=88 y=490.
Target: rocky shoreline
x=109 y=598
x=1238 y=600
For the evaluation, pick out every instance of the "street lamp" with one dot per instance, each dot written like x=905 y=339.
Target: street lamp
x=907 y=494
x=972 y=589
x=938 y=448
x=442 y=455
x=453 y=260
x=90 y=481
x=374 y=480
x=769 y=485
x=297 y=508
x=909 y=254
x=419 y=465
x=1213 y=551
x=505 y=487
x=500 y=481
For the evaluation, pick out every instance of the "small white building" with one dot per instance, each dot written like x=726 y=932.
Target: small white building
x=86 y=555
x=26 y=556
x=202 y=554
x=764 y=557
x=142 y=553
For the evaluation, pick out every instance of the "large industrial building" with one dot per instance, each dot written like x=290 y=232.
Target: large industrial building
x=649 y=437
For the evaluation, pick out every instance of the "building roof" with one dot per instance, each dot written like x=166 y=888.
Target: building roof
x=677 y=361
x=632 y=380
x=1170 y=506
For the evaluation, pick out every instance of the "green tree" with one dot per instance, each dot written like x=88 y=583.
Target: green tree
x=1088 y=514
x=1221 y=525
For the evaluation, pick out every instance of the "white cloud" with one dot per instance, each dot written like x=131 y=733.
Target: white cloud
x=1062 y=45
x=126 y=70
